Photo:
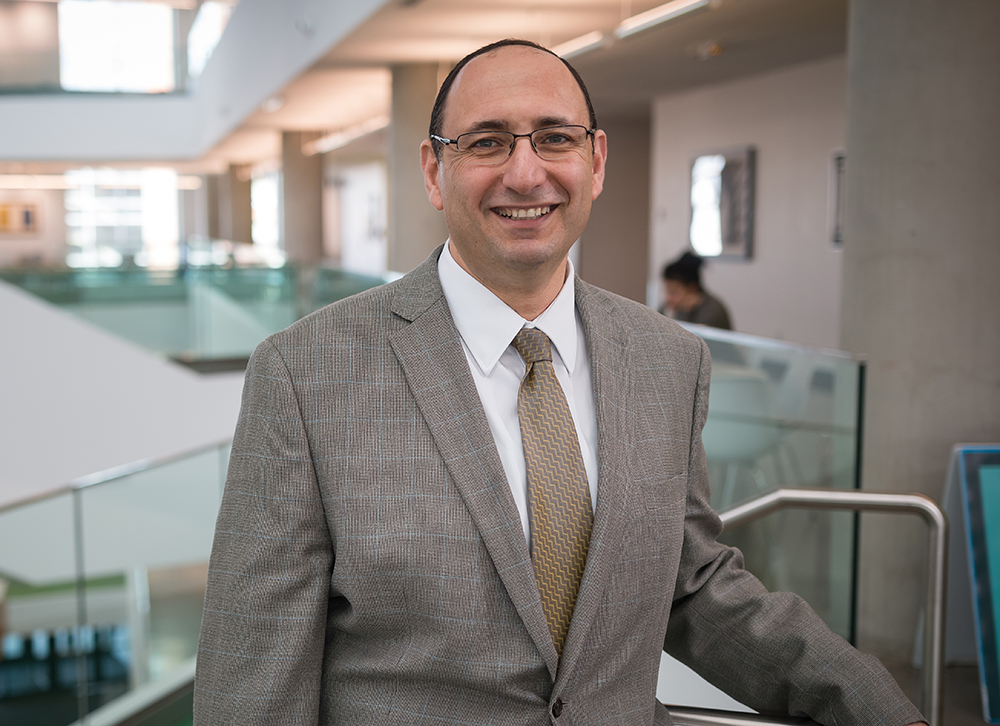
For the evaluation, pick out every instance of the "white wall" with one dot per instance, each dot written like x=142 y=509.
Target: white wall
x=48 y=244
x=78 y=400
x=795 y=118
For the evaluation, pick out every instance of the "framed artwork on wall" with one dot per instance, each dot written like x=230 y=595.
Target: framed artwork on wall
x=838 y=161
x=18 y=218
x=722 y=203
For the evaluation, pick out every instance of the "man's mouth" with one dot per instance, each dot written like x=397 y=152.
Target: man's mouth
x=531 y=213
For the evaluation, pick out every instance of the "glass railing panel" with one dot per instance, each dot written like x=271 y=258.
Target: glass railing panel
x=196 y=313
x=155 y=528
x=105 y=580
x=783 y=415
x=47 y=647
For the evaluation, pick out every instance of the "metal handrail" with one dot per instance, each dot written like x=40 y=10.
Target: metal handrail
x=684 y=716
x=113 y=474
x=873 y=501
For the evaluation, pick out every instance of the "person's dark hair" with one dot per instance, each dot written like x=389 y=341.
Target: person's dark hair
x=686 y=269
x=437 y=115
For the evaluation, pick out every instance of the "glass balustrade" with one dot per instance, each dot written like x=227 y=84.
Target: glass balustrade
x=195 y=313
x=784 y=415
x=104 y=585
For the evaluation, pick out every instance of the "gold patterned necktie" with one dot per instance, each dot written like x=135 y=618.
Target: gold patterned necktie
x=559 y=509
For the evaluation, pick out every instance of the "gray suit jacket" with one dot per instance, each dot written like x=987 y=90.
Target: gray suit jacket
x=369 y=565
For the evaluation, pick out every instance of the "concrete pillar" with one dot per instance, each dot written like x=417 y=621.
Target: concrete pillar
x=921 y=282
x=302 y=201
x=232 y=193
x=415 y=227
x=614 y=249
x=212 y=211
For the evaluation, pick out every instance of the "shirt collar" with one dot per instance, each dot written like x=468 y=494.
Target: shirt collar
x=488 y=325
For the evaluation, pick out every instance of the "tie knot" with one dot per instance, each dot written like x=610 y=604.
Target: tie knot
x=533 y=345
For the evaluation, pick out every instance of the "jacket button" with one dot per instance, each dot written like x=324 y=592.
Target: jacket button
x=557 y=708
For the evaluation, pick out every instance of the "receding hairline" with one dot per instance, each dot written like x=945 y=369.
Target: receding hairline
x=524 y=49
x=440 y=101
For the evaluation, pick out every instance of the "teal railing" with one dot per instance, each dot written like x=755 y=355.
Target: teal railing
x=194 y=313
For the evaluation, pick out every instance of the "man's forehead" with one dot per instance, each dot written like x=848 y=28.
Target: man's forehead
x=509 y=69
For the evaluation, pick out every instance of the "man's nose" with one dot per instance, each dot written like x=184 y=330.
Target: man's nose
x=524 y=169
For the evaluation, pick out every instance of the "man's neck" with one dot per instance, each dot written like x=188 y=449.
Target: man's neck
x=527 y=294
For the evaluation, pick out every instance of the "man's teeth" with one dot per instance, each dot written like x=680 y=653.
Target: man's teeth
x=533 y=213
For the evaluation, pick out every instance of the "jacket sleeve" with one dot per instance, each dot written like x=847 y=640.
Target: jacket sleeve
x=262 y=637
x=768 y=650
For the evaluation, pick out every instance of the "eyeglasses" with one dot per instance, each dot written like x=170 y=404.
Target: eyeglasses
x=494 y=147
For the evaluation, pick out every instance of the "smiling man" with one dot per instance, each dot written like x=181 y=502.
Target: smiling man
x=478 y=495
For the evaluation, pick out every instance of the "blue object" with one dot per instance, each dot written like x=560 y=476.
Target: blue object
x=980 y=476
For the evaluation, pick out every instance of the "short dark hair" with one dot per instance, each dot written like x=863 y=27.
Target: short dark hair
x=437 y=115
x=685 y=269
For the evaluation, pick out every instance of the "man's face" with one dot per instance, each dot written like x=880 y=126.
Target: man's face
x=522 y=215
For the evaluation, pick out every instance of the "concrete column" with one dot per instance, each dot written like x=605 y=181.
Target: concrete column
x=232 y=193
x=212 y=185
x=415 y=227
x=302 y=201
x=614 y=249
x=921 y=283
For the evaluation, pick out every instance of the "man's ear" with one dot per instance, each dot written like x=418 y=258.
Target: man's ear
x=432 y=169
x=600 y=157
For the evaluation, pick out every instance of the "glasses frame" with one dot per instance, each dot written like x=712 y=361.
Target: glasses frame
x=449 y=142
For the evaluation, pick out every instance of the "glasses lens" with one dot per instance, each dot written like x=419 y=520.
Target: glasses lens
x=488 y=146
x=557 y=141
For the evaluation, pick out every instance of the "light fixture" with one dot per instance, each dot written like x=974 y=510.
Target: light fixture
x=274 y=103
x=35 y=181
x=657 y=15
x=578 y=46
x=339 y=139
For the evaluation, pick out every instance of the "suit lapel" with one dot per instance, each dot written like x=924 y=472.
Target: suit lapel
x=608 y=346
x=430 y=351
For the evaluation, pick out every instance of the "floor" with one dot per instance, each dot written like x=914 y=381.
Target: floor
x=962 y=705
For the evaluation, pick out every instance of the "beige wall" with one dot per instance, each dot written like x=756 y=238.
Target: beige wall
x=614 y=249
x=795 y=118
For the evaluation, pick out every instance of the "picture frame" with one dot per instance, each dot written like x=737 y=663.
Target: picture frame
x=723 y=186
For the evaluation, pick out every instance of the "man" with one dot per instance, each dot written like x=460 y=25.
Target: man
x=388 y=551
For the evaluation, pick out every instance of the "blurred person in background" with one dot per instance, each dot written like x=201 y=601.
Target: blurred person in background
x=687 y=301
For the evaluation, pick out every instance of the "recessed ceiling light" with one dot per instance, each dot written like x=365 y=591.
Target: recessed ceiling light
x=272 y=104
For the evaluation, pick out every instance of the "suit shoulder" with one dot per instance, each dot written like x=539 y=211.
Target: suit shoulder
x=642 y=322
x=359 y=321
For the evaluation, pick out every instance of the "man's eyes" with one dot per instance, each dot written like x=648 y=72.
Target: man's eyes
x=554 y=139
x=489 y=142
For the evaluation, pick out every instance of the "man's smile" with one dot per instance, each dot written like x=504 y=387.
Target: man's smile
x=529 y=213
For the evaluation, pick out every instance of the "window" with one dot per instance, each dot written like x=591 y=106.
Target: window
x=116 y=46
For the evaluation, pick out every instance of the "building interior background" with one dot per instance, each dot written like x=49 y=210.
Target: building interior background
x=180 y=178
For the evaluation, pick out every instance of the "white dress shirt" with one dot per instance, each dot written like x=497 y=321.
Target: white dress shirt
x=487 y=326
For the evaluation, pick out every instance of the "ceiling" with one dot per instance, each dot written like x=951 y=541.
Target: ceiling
x=351 y=83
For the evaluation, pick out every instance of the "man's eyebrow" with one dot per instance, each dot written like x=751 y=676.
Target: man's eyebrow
x=502 y=125
x=490 y=125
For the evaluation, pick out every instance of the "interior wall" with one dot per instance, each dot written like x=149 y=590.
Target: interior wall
x=87 y=401
x=795 y=118
x=614 y=249
x=46 y=246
